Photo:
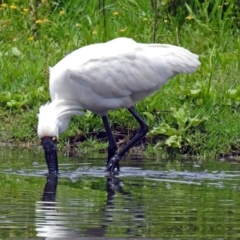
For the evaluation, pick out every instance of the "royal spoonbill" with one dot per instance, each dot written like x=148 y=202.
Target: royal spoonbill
x=107 y=76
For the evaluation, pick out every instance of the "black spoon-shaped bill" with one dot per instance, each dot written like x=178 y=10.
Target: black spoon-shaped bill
x=50 y=149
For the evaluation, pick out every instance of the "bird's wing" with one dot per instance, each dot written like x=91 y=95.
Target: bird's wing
x=123 y=67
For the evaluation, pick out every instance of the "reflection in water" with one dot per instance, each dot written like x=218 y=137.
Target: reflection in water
x=52 y=223
x=48 y=222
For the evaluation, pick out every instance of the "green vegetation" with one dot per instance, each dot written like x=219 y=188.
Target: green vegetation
x=194 y=114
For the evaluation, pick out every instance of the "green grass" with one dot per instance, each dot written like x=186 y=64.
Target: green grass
x=37 y=34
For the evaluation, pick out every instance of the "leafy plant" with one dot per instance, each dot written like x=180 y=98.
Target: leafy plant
x=233 y=97
x=201 y=92
x=21 y=101
x=177 y=135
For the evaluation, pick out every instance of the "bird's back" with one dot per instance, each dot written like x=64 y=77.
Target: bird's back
x=118 y=73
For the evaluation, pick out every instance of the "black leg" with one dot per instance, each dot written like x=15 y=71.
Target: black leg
x=112 y=147
x=141 y=134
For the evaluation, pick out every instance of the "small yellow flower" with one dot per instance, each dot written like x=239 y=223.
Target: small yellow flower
x=123 y=29
x=4 y=5
x=77 y=25
x=39 y=21
x=116 y=13
x=94 y=32
x=165 y=20
x=61 y=12
x=30 y=38
x=13 y=6
x=25 y=10
x=190 y=17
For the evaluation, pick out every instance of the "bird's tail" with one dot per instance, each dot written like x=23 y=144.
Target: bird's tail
x=180 y=59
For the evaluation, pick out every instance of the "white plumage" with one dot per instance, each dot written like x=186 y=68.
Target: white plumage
x=109 y=76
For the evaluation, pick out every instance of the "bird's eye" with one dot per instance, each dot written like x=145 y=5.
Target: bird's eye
x=54 y=139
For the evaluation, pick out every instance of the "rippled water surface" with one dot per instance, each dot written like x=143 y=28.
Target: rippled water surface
x=150 y=198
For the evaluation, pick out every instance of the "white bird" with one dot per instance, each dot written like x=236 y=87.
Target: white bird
x=107 y=76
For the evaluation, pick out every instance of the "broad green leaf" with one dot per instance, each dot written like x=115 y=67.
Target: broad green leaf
x=228 y=56
x=4 y=99
x=229 y=102
x=16 y=52
x=7 y=95
x=164 y=129
x=195 y=121
x=17 y=96
x=164 y=2
x=181 y=118
x=88 y=114
x=149 y=115
x=174 y=141
x=199 y=102
x=232 y=92
x=194 y=92
x=11 y=103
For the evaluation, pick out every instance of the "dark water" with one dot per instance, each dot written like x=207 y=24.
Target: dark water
x=150 y=198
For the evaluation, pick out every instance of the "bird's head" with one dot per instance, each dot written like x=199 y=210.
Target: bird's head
x=53 y=119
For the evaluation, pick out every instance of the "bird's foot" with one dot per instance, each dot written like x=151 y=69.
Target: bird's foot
x=113 y=163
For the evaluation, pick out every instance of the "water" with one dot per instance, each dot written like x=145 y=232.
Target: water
x=151 y=198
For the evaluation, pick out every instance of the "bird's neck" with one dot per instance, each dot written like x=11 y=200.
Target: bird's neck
x=64 y=111
x=54 y=117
